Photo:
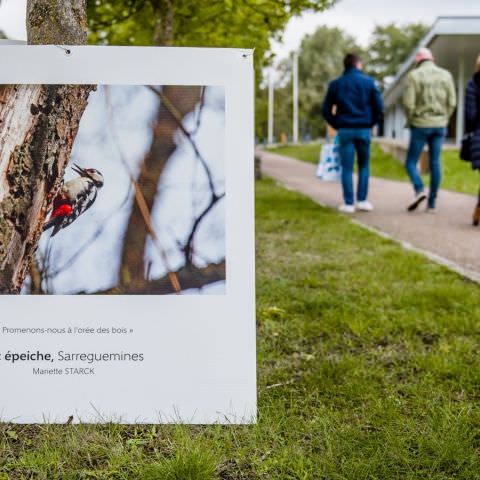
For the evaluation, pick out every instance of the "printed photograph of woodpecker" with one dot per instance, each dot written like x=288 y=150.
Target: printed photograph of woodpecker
x=74 y=198
x=138 y=205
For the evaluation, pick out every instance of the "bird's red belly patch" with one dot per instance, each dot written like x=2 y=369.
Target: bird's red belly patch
x=64 y=210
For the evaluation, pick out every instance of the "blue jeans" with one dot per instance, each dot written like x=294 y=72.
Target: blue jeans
x=349 y=141
x=418 y=138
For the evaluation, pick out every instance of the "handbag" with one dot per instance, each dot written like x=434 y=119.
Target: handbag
x=466 y=147
x=329 y=167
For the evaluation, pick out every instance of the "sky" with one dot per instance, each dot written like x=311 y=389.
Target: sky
x=359 y=17
x=356 y=17
x=12 y=18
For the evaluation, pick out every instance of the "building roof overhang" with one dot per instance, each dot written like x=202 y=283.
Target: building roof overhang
x=452 y=40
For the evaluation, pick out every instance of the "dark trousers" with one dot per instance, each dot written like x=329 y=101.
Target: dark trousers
x=351 y=140
x=419 y=137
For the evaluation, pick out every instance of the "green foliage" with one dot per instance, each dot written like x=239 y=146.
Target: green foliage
x=458 y=175
x=308 y=152
x=321 y=57
x=199 y=23
x=389 y=47
x=202 y=23
x=261 y=113
x=320 y=60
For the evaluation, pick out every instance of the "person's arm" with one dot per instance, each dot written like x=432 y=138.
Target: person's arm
x=377 y=104
x=452 y=96
x=409 y=99
x=471 y=110
x=327 y=108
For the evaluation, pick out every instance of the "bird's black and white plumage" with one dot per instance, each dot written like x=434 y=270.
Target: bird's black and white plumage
x=74 y=198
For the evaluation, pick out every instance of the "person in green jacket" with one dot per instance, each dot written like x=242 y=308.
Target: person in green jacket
x=429 y=101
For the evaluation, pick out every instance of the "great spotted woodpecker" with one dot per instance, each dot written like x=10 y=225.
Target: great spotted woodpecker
x=74 y=198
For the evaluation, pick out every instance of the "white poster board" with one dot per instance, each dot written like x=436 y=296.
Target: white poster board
x=143 y=358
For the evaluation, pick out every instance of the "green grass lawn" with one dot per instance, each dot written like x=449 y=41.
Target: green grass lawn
x=308 y=152
x=368 y=368
x=457 y=175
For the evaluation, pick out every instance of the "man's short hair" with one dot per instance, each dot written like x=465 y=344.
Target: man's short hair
x=351 y=60
x=423 y=54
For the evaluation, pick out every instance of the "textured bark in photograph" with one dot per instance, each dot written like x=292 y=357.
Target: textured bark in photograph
x=184 y=99
x=38 y=125
x=37 y=130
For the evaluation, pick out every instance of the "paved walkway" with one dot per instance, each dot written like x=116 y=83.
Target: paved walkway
x=447 y=236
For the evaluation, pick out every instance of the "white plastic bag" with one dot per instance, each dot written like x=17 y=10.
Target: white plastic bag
x=329 y=167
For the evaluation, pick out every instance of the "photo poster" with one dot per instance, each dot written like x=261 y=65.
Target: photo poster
x=138 y=303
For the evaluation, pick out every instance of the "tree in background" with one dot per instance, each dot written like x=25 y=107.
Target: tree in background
x=320 y=60
x=389 y=47
x=199 y=23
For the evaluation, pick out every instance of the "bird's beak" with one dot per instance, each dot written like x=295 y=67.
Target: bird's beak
x=78 y=170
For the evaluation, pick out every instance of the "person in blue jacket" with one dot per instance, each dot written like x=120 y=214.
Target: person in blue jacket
x=472 y=125
x=353 y=105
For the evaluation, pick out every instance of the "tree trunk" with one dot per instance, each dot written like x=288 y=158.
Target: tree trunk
x=62 y=22
x=38 y=125
x=164 y=16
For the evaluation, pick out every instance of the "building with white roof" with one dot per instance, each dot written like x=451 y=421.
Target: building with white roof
x=455 y=43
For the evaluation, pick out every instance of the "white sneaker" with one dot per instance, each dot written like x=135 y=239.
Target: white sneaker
x=364 y=206
x=419 y=198
x=346 y=208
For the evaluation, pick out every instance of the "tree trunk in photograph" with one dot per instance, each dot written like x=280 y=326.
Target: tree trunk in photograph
x=184 y=99
x=38 y=125
x=132 y=274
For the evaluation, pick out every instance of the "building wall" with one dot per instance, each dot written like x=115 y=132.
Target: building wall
x=395 y=123
x=455 y=43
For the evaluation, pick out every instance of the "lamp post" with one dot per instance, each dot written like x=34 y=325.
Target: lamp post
x=270 y=108
x=295 y=96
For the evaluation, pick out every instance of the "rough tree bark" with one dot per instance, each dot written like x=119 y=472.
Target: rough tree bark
x=164 y=17
x=38 y=124
x=62 y=22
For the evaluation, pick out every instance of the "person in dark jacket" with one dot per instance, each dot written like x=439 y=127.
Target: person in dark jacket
x=472 y=125
x=353 y=105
